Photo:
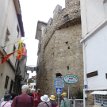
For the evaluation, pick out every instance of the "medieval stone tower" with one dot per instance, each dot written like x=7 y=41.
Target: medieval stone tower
x=60 y=50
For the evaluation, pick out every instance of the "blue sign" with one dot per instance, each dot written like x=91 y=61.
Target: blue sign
x=58 y=90
x=59 y=82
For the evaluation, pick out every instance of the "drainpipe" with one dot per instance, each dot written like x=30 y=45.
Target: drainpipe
x=85 y=78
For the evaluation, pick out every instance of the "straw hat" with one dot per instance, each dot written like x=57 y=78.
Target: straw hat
x=64 y=94
x=45 y=98
x=52 y=97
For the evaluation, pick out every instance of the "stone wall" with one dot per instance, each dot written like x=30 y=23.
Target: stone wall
x=90 y=99
x=63 y=54
x=61 y=51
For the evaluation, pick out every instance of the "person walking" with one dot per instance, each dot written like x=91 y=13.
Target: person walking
x=23 y=100
x=65 y=102
x=7 y=101
x=36 y=97
x=45 y=101
x=53 y=101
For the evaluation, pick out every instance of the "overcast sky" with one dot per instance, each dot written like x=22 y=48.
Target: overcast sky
x=32 y=11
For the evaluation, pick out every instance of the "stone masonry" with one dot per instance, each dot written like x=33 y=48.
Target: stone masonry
x=61 y=51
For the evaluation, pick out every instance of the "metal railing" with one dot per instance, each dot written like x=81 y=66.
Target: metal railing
x=76 y=102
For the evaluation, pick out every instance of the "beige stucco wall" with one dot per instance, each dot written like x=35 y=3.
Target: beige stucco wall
x=5 y=70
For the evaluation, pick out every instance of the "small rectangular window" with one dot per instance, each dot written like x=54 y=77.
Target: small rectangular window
x=106 y=75
x=18 y=31
x=66 y=42
x=105 y=7
x=11 y=86
x=6 y=82
x=67 y=67
x=7 y=35
x=68 y=47
x=92 y=74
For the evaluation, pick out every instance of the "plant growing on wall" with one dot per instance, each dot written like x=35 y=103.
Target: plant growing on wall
x=79 y=94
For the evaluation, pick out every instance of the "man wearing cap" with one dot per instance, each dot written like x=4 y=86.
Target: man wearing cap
x=45 y=101
x=65 y=102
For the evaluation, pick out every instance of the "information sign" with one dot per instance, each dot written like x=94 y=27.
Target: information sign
x=58 y=90
x=71 y=79
x=59 y=82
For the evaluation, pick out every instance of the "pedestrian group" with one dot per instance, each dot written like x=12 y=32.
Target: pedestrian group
x=33 y=99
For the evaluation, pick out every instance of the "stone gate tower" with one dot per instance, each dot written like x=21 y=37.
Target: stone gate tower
x=60 y=50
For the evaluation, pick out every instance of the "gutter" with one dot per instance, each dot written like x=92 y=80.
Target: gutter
x=96 y=29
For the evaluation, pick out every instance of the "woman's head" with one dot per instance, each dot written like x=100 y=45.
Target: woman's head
x=7 y=97
x=13 y=95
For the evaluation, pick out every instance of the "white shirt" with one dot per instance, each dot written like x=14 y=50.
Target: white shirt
x=7 y=104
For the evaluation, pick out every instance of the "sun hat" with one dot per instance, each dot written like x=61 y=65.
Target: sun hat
x=45 y=98
x=64 y=94
x=52 y=97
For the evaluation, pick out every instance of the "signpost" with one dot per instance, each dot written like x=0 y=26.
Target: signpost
x=59 y=85
x=59 y=82
x=58 y=90
x=70 y=79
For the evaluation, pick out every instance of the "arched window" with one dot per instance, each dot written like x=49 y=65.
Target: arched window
x=58 y=74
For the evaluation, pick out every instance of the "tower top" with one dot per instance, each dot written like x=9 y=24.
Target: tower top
x=71 y=3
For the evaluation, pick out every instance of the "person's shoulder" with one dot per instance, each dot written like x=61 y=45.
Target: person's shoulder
x=17 y=97
x=41 y=103
x=3 y=102
x=49 y=103
x=66 y=99
x=9 y=102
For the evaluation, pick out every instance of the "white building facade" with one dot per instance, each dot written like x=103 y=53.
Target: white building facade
x=94 y=40
x=11 y=30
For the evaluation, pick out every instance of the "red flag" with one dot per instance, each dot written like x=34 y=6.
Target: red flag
x=24 y=51
x=19 y=54
x=5 y=58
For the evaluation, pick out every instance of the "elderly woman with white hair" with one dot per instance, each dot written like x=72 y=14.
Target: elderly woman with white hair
x=23 y=100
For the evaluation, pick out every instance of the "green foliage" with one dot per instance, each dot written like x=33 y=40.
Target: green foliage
x=79 y=94
x=30 y=81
